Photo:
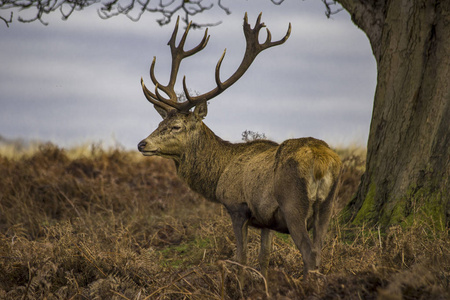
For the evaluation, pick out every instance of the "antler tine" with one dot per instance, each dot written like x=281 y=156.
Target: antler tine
x=152 y=71
x=177 y=56
x=220 y=86
x=172 y=101
x=254 y=33
x=152 y=98
x=258 y=24
x=166 y=89
x=217 y=77
x=173 y=38
x=200 y=46
x=268 y=43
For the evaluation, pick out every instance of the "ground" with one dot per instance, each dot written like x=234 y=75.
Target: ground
x=90 y=223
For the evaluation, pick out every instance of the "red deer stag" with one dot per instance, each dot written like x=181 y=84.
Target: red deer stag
x=288 y=187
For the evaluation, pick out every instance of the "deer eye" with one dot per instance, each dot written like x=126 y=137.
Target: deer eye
x=176 y=128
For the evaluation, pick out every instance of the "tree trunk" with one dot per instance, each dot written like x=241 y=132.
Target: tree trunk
x=408 y=168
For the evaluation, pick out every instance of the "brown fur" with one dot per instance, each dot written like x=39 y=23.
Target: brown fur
x=289 y=187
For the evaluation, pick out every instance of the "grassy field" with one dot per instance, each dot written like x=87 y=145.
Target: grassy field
x=88 y=223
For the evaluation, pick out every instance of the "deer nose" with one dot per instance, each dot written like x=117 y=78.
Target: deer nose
x=142 y=145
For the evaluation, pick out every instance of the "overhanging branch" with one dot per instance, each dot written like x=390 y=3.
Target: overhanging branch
x=329 y=9
x=7 y=21
x=35 y=10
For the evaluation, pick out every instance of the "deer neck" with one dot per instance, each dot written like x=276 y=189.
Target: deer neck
x=203 y=162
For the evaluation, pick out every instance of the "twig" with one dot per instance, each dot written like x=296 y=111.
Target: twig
x=329 y=12
x=379 y=237
x=85 y=256
x=119 y=294
x=30 y=275
x=169 y=285
x=254 y=270
x=7 y=21
x=73 y=205
x=211 y=282
x=188 y=282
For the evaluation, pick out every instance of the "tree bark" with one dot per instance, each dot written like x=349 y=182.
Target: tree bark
x=408 y=152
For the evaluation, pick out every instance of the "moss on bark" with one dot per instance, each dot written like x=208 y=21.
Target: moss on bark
x=423 y=205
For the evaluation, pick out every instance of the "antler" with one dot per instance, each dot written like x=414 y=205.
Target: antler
x=253 y=48
x=178 y=54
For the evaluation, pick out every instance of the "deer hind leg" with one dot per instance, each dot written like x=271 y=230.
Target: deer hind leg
x=291 y=194
x=295 y=220
x=264 y=252
x=321 y=219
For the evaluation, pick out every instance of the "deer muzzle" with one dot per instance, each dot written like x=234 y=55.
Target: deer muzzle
x=147 y=152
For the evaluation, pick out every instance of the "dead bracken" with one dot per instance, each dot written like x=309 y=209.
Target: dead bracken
x=89 y=223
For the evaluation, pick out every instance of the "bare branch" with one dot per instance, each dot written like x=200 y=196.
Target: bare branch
x=329 y=11
x=7 y=21
x=167 y=9
x=42 y=7
x=35 y=10
x=225 y=9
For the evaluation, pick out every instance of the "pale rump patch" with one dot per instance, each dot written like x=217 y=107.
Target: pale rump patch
x=319 y=188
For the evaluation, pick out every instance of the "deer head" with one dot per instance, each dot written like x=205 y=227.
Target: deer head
x=180 y=122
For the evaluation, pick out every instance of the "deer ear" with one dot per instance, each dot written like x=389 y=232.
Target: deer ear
x=162 y=112
x=201 y=110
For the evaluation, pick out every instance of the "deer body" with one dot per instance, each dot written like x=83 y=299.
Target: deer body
x=287 y=187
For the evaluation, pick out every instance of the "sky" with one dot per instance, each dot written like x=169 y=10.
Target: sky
x=78 y=81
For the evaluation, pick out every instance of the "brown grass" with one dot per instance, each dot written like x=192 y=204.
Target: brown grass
x=109 y=224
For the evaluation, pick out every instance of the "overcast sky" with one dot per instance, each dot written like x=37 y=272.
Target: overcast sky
x=78 y=81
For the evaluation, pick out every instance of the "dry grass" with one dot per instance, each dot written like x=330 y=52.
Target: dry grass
x=109 y=224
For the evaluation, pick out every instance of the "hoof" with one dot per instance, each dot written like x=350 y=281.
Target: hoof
x=313 y=274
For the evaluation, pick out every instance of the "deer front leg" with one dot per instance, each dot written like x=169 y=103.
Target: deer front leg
x=239 y=219
x=264 y=252
x=240 y=232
